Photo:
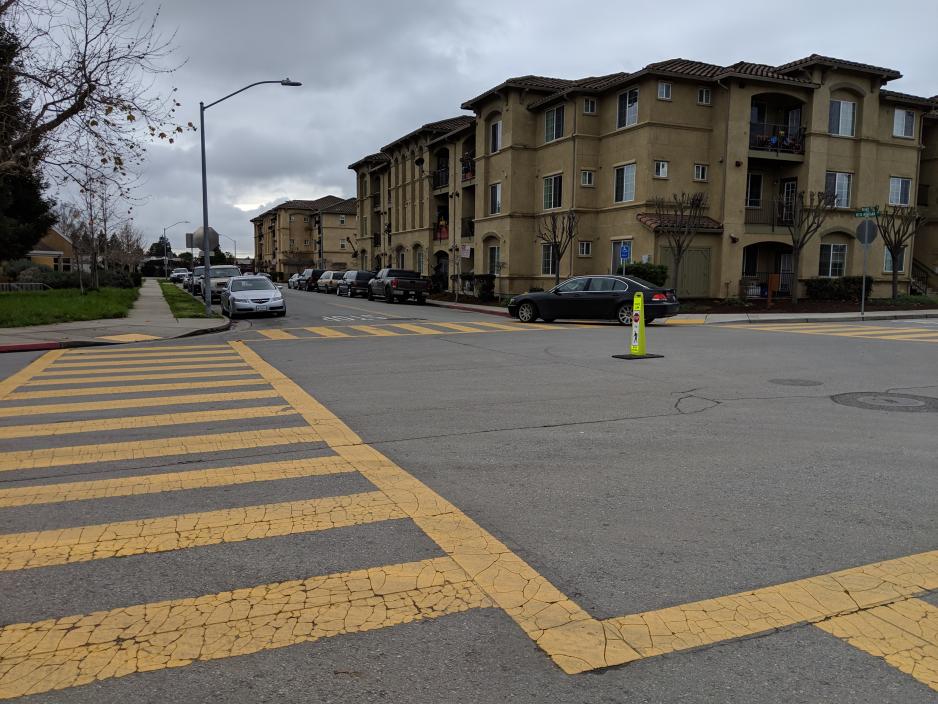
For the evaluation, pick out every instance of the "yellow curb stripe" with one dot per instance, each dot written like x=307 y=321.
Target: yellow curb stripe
x=458 y=327
x=172 y=481
x=8 y=385
x=155 y=349
x=694 y=321
x=67 y=652
x=327 y=332
x=877 y=332
x=278 y=334
x=374 y=330
x=111 y=373
x=106 y=390
x=419 y=329
x=129 y=337
x=103 y=364
x=144 y=449
x=137 y=377
x=11 y=432
x=903 y=634
x=152 y=535
x=114 y=404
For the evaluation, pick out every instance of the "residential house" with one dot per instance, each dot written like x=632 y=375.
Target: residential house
x=53 y=250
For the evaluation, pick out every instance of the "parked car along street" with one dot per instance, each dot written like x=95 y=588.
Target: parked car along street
x=220 y=276
x=308 y=279
x=355 y=282
x=251 y=294
x=598 y=297
x=177 y=275
x=195 y=280
x=291 y=282
x=329 y=281
x=394 y=284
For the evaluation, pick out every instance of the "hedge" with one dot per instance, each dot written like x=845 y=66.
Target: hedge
x=845 y=288
x=69 y=279
x=656 y=274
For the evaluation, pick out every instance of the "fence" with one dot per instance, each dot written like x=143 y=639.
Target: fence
x=11 y=287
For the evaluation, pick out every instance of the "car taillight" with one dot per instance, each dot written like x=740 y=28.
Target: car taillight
x=659 y=297
x=394 y=283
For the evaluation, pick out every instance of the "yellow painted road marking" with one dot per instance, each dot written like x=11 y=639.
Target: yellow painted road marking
x=112 y=373
x=375 y=330
x=923 y=336
x=159 y=420
x=129 y=337
x=151 y=535
x=515 y=327
x=141 y=355
x=904 y=634
x=419 y=329
x=8 y=385
x=172 y=481
x=458 y=327
x=876 y=332
x=154 y=349
x=100 y=364
x=327 y=332
x=683 y=321
x=137 y=377
x=75 y=650
x=106 y=390
x=162 y=447
x=116 y=403
x=278 y=334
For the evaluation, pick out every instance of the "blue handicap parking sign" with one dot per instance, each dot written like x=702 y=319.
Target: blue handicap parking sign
x=625 y=251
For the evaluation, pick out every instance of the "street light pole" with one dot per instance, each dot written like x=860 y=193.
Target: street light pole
x=207 y=279
x=165 y=262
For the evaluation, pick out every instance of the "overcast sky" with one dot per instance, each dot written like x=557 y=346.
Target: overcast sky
x=375 y=70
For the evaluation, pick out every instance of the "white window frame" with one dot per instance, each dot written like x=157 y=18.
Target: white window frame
x=830 y=260
x=584 y=248
x=551 y=124
x=701 y=172
x=895 y=186
x=553 y=191
x=664 y=90
x=495 y=198
x=492 y=262
x=887 y=260
x=292 y=217
x=306 y=243
x=495 y=136
x=590 y=106
x=548 y=255
x=749 y=200
x=661 y=168
x=704 y=96
x=341 y=219
x=843 y=185
x=900 y=121
x=419 y=262
x=587 y=178
x=627 y=170
x=344 y=245
x=630 y=116
x=306 y=218
x=840 y=119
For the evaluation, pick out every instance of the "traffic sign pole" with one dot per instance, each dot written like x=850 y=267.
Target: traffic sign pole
x=866 y=233
x=638 y=346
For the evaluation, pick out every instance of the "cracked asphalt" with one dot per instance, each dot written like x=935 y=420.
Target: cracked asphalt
x=632 y=487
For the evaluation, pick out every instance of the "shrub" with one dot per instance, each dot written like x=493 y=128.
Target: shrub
x=845 y=288
x=486 y=284
x=12 y=269
x=69 y=279
x=656 y=274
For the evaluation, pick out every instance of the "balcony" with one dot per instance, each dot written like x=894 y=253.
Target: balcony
x=776 y=138
x=769 y=213
x=766 y=284
x=376 y=202
x=467 y=228
x=440 y=178
x=468 y=167
x=376 y=239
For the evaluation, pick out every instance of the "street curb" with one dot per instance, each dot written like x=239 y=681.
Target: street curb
x=457 y=306
x=905 y=315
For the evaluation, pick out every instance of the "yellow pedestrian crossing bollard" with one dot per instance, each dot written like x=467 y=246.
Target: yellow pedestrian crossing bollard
x=638 y=348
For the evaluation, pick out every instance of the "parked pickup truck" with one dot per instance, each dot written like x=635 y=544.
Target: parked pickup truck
x=394 y=284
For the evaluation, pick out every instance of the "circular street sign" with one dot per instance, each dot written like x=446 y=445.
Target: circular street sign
x=866 y=232
x=636 y=317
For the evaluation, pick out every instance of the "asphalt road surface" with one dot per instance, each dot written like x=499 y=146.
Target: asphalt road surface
x=399 y=503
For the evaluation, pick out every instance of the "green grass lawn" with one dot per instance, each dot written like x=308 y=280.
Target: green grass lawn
x=63 y=305
x=182 y=304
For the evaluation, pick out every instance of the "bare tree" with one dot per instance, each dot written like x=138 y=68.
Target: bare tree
x=807 y=213
x=86 y=71
x=898 y=225
x=679 y=220
x=126 y=247
x=296 y=259
x=558 y=230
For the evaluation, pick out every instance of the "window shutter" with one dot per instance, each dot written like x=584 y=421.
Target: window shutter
x=833 y=122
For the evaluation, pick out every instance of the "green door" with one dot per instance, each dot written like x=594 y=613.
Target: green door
x=695 y=272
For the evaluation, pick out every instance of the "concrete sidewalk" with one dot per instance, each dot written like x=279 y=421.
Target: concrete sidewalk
x=734 y=318
x=149 y=319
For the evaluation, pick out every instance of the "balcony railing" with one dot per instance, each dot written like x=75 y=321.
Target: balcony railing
x=468 y=167
x=763 y=283
x=376 y=239
x=781 y=139
x=440 y=178
x=376 y=201
x=769 y=212
x=467 y=228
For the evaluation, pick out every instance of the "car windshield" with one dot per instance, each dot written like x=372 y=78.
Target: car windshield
x=254 y=284
x=225 y=271
x=180 y=271
x=403 y=274
x=365 y=275
x=199 y=270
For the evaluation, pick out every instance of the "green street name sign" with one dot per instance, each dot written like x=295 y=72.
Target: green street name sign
x=867 y=212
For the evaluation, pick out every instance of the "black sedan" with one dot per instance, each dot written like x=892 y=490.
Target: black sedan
x=354 y=282
x=599 y=297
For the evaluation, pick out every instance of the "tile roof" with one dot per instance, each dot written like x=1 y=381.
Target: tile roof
x=897 y=97
x=370 y=160
x=323 y=203
x=686 y=67
x=818 y=59
x=530 y=82
x=346 y=207
x=659 y=223
x=746 y=68
x=436 y=128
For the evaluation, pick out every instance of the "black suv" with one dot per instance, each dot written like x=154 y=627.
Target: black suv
x=355 y=282
x=308 y=279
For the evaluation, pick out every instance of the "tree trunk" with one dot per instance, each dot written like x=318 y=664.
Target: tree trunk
x=676 y=257
x=895 y=274
x=556 y=264
x=795 y=273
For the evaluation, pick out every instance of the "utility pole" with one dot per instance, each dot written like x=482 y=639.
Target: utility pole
x=322 y=259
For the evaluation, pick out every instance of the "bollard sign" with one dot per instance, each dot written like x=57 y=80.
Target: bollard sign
x=637 y=347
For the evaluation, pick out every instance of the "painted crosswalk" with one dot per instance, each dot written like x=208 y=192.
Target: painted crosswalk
x=398 y=329
x=875 y=608
x=904 y=333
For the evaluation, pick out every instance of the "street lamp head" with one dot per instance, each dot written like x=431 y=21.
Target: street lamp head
x=288 y=82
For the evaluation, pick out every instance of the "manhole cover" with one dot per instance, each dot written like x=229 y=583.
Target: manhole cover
x=901 y=403
x=795 y=382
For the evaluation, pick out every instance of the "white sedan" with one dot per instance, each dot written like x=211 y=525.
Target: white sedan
x=252 y=294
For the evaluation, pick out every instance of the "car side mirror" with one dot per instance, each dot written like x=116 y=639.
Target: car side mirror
x=556 y=292
x=280 y=287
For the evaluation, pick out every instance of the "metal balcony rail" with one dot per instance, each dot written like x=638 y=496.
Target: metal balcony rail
x=376 y=201
x=440 y=178
x=769 y=212
x=778 y=138
x=921 y=279
x=761 y=283
x=468 y=166
x=467 y=228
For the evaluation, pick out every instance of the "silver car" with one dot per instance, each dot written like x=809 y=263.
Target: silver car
x=252 y=294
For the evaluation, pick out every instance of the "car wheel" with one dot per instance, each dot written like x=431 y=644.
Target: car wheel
x=624 y=314
x=527 y=312
x=371 y=294
x=421 y=300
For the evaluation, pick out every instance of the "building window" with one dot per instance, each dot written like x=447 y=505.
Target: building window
x=66 y=264
x=495 y=198
x=754 y=191
x=589 y=106
x=306 y=218
x=704 y=96
x=553 y=191
x=661 y=169
x=495 y=136
x=701 y=172
x=341 y=219
x=400 y=259
x=292 y=244
x=903 y=123
x=418 y=264
x=664 y=90
x=887 y=261
x=553 y=124
x=495 y=258
x=838 y=183
x=628 y=108
x=586 y=177
x=842 y=118
x=292 y=217
x=899 y=190
x=306 y=243
x=833 y=260
x=625 y=183
x=342 y=244
x=584 y=249
x=548 y=260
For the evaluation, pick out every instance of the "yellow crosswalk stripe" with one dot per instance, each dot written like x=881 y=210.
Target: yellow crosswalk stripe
x=14 y=381
x=136 y=377
x=502 y=326
x=117 y=403
x=140 y=388
x=160 y=420
x=875 y=332
x=458 y=327
x=67 y=652
x=142 y=355
x=923 y=336
x=118 y=351
x=172 y=481
x=419 y=329
x=375 y=330
x=278 y=334
x=101 y=364
x=57 y=372
x=152 y=535
x=327 y=332
x=162 y=447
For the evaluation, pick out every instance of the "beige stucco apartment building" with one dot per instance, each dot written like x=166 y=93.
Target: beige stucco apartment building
x=606 y=146
x=286 y=237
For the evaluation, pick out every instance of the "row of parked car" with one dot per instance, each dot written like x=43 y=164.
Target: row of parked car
x=388 y=284
x=238 y=293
